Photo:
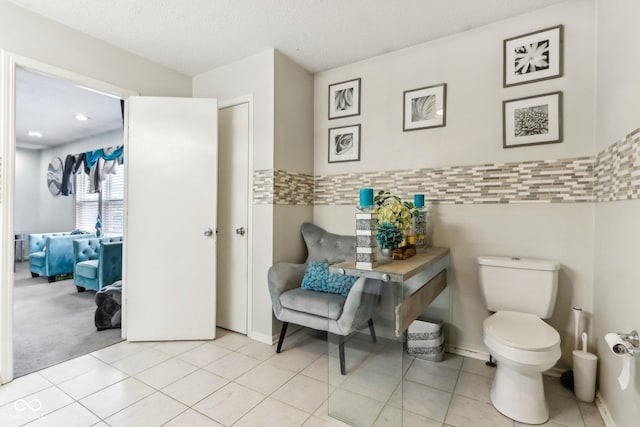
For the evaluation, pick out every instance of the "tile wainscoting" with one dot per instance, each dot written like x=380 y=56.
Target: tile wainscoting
x=612 y=175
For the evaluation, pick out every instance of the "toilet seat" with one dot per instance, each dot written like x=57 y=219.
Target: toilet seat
x=522 y=338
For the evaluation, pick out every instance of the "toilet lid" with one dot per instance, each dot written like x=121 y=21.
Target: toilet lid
x=521 y=330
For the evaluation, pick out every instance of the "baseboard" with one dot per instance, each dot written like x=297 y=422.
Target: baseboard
x=604 y=411
x=263 y=338
x=555 y=372
x=467 y=352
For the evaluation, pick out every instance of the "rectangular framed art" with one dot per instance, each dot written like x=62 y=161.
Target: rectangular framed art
x=424 y=108
x=344 y=144
x=344 y=99
x=533 y=120
x=533 y=57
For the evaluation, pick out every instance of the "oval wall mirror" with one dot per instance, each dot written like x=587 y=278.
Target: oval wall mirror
x=54 y=176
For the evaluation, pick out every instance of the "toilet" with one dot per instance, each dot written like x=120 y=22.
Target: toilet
x=521 y=292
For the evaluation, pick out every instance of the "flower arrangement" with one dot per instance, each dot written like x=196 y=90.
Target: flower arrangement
x=393 y=218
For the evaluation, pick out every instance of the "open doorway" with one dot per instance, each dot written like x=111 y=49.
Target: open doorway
x=14 y=248
x=66 y=194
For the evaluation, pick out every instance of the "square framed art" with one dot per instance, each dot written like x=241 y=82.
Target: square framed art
x=532 y=120
x=424 y=108
x=533 y=57
x=344 y=144
x=344 y=99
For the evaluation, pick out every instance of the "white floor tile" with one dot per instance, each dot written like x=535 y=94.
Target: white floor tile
x=424 y=400
x=92 y=381
x=153 y=410
x=479 y=367
x=203 y=355
x=433 y=375
x=71 y=368
x=258 y=350
x=303 y=393
x=22 y=387
x=565 y=411
x=265 y=378
x=352 y=407
x=119 y=351
x=318 y=369
x=451 y=361
x=74 y=415
x=314 y=421
x=140 y=361
x=33 y=406
x=229 y=404
x=174 y=348
x=232 y=341
x=116 y=397
x=370 y=383
x=465 y=412
x=590 y=415
x=195 y=387
x=272 y=412
x=191 y=418
x=164 y=373
x=474 y=386
x=293 y=359
x=553 y=386
x=390 y=417
x=232 y=365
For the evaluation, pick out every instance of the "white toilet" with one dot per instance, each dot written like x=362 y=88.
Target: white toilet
x=521 y=292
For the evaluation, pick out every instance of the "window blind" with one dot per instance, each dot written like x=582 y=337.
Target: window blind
x=112 y=203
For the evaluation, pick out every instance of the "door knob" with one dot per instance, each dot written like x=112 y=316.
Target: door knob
x=240 y=231
x=208 y=232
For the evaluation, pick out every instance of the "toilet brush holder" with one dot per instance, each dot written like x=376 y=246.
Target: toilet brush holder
x=584 y=372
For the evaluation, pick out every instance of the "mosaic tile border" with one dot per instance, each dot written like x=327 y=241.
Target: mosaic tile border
x=543 y=181
x=282 y=188
x=617 y=170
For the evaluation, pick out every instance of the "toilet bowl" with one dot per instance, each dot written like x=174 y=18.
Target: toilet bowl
x=524 y=347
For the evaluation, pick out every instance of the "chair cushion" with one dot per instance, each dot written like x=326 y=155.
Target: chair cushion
x=37 y=259
x=312 y=302
x=317 y=278
x=88 y=269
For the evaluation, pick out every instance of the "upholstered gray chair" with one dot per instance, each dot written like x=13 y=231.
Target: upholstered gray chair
x=329 y=312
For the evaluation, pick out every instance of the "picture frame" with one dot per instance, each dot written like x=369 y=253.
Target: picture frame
x=344 y=144
x=424 y=108
x=533 y=57
x=533 y=120
x=344 y=99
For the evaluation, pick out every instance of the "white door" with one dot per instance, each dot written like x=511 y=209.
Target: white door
x=233 y=182
x=170 y=246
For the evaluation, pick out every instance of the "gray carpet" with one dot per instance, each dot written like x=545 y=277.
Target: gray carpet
x=52 y=322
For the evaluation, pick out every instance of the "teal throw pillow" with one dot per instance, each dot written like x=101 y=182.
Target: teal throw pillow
x=316 y=277
x=340 y=284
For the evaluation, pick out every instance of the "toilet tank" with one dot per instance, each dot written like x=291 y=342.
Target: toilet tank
x=525 y=285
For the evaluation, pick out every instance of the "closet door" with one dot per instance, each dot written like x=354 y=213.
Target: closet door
x=171 y=205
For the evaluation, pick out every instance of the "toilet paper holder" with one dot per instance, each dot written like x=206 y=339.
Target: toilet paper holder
x=633 y=339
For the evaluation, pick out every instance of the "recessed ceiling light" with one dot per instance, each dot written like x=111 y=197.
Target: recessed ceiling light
x=82 y=117
x=34 y=134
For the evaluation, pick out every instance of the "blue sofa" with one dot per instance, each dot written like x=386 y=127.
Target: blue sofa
x=98 y=262
x=51 y=254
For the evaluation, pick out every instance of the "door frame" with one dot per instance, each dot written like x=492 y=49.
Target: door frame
x=8 y=64
x=247 y=99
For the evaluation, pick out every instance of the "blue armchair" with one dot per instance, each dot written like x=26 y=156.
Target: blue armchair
x=51 y=254
x=98 y=262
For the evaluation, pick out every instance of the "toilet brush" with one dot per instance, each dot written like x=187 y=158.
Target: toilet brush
x=567 y=377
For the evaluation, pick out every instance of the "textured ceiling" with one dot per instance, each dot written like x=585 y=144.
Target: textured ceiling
x=195 y=36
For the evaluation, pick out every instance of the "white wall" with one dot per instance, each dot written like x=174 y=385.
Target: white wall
x=252 y=76
x=617 y=229
x=471 y=65
x=57 y=213
x=27 y=200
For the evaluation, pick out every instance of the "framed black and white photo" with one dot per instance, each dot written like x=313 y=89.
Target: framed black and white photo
x=533 y=57
x=344 y=144
x=425 y=107
x=533 y=120
x=344 y=99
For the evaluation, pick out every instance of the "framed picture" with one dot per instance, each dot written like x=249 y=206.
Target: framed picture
x=344 y=99
x=344 y=144
x=533 y=120
x=533 y=57
x=425 y=108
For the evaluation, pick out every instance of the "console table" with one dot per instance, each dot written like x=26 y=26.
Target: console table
x=372 y=387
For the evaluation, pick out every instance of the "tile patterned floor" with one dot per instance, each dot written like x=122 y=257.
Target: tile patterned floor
x=234 y=381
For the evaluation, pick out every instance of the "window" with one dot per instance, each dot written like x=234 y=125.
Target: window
x=112 y=203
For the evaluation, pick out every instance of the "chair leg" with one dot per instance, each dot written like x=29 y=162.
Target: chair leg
x=34 y=275
x=51 y=279
x=343 y=370
x=373 y=331
x=283 y=332
x=81 y=289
